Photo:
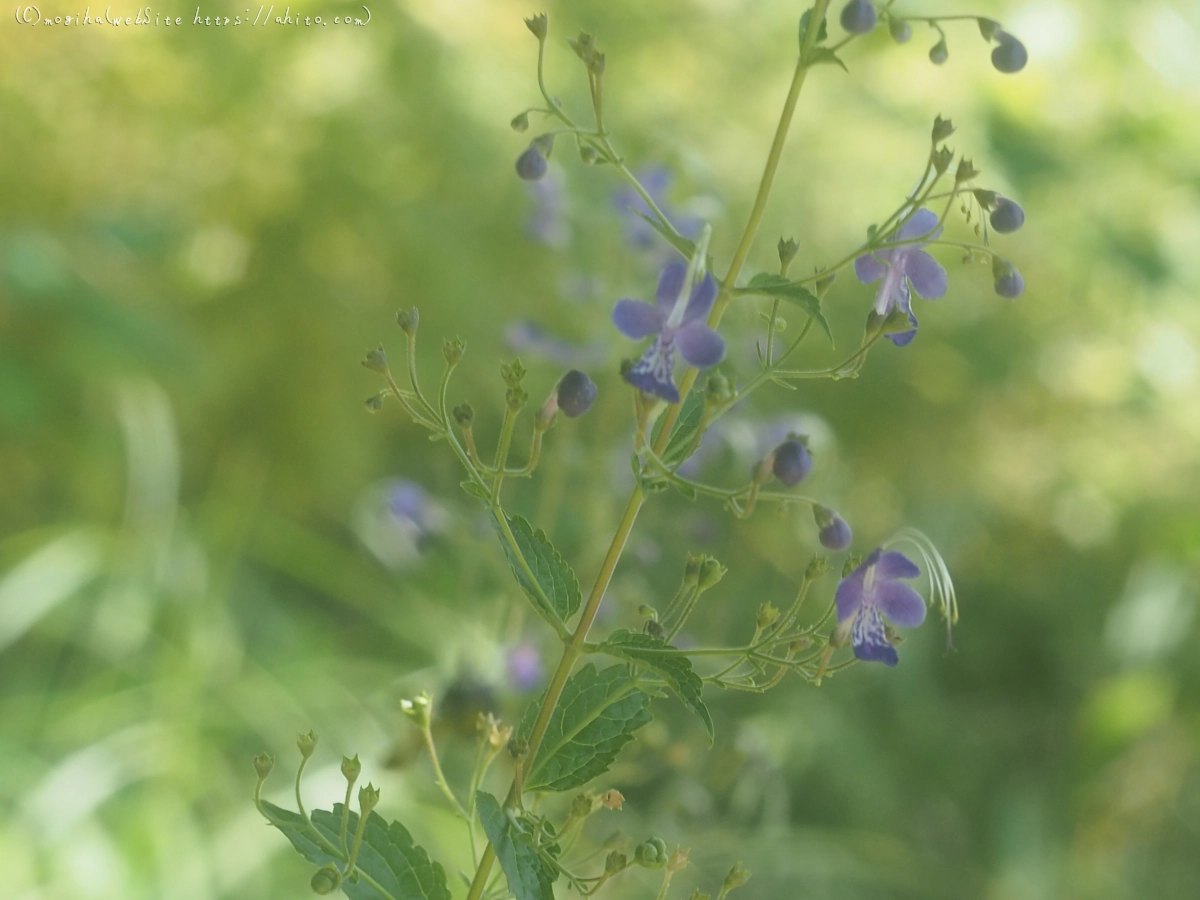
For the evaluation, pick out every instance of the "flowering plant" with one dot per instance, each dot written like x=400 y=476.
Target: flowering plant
x=572 y=734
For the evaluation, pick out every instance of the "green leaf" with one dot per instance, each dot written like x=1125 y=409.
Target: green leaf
x=771 y=285
x=823 y=55
x=682 y=244
x=822 y=34
x=669 y=663
x=550 y=583
x=690 y=416
x=596 y=716
x=529 y=876
x=389 y=865
x=478 y=491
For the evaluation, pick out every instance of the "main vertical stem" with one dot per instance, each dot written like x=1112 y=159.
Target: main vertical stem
x=574 y=647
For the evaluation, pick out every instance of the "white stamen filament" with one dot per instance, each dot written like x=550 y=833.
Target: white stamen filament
x=694 y=274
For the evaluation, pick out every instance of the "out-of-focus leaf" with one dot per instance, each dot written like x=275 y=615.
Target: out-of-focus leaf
x=550 y=583
x=529 y=876
x=772 y=285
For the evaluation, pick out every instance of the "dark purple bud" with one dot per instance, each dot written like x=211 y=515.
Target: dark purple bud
x=836 y=535
x=939 y=53
x=1007 y=217
x=858 y=16
x=1009 y=54
x=792 y=462
x=901 y=30
x=531 y=165
x=576 y=393
x=1009 y=283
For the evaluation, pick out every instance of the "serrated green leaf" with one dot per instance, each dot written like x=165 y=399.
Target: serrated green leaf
x=596 y=716
x=550 y=583
x=772 y=285
x=669 y=663
x=683 y=245
x=690 y=416
x=529 y=877
x=389 y=865
x=822 y=56
x=822 y=33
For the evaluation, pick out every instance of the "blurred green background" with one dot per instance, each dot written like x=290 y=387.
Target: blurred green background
x=202 y=230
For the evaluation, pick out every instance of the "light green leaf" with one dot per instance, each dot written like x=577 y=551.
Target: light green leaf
x=389 y=865
x=690 y=416
x=529 y=877
x=596 y=716
x=822 y=33
x=771 y=285
x=476 y=490
x=544 y=574
x=823 y=55
x=669 y=663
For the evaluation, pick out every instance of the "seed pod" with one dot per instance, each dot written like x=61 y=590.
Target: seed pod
x=792 y=463
x=532 y=165
x=576 y=393
x=859 y=16
x=1008 y=281
x=1009 y=55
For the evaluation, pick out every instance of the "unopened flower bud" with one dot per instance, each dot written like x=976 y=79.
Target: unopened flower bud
x=942 y=159
x=767 y=616
x=799 y=644
x=520 y=122
x=651 y=854
x=326 y=879
x=691 y=569
x=824 y=283
x=351 y=768
x=939 y=53
x=718 y=390
x=851 y=563
x=576 y=393
x=736 y=878
x=368 y=799
x=833 y=532
x=859 y=16
x=417 y=709
x=464 y=415
x=677 y=860
x=965 y=172
x=538 y=25
x=588 y=155
x=1007 y=217
x=518 y=748
x=818 y=568
x=374 y=403
x=1009 y=55
x=612 y=799
x=453 y=351
x=582 y=806
x=512 y=373
x=531 y=164
x=901 y=30
x=615 y=862
x=408 y=319
x=711 y=573
x=787 y=251
x=307 y=744
x=584 y=45
x=1008 y=281
x=376 y=361
x=515 y=399
x=263 y=764
x=792 y=462
x=942 y=129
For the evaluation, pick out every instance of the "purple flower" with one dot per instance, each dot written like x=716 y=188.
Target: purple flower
x=676 y=324
x=530 y=339
x=872 y=591
x=902 y=268
x=525 y=667
x=548 y=222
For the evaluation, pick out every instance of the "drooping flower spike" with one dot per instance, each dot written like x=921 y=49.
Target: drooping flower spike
x=874 y=590
x=676 y=320
x=903 y=269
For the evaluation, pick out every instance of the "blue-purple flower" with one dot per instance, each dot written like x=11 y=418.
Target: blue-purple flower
x=677 y=322
x=874 y=590
x=656 y=180
x=904 y=269
x=524 y=666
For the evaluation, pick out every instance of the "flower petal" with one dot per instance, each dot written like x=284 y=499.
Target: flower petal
x=928 y=277
x=701 y=301
x=894 y=564
x=670 y=283
x=869 y=268
x=699 y=345
x=900 y=603
x=869 y=638
x=652 y=373
x=923 y=222
x=636 y=319
x=850 y=594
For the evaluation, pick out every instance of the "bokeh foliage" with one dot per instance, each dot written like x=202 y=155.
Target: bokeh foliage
x=200 y=233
